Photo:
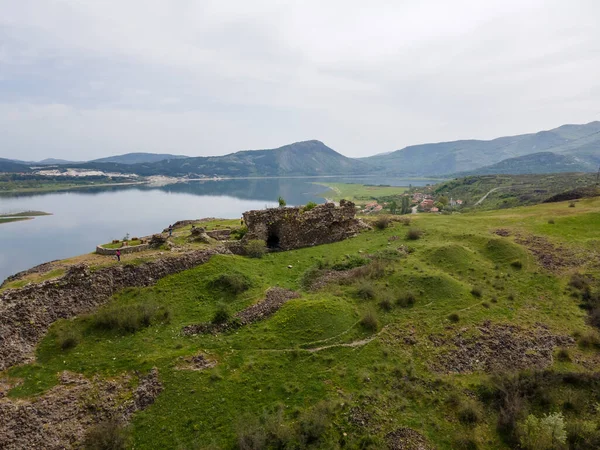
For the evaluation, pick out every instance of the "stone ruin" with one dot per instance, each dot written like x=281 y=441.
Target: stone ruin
x=295 y=227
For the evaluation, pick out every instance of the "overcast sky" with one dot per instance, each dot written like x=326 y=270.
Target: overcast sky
x=85 y=79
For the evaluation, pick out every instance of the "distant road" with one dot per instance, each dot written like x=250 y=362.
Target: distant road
x=485 y=196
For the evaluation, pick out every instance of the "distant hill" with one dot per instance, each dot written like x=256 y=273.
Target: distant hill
x=580 y=141
x=309 y=158
x=53 y=161
x=8 y=165
x=138 y=158
x=543 y=162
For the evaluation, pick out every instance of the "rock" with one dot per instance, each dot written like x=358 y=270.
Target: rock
x=290 y=266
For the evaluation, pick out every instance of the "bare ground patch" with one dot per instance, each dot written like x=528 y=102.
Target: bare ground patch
x=498 y=348
x=197 y=362
x=550 y=256
x=275 y=297
x=60 y=418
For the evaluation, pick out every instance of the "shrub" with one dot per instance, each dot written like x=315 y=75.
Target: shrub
x=67 y=337
x=583 y=434
x=130 y=318
x=281 y=202
x=465 y=442
x=485 y=304
x=350 y=262
x=313 y=423
x=365 y=290
x=563 y=355
x=551 y=221
x=469 y=413
x=517 y=264
x=406 y=299
x=222 y=315
x=372 y=271
x=256 y=248
x=381 y=223
x=239 y=233
x=308 y=278
x=572 y=205
x=476 y=292
x=234 y=282
x=454 y=318
x=414 y=234
x=403 y=220
x=386 y=303
x=579 y=282
x=589 y=339
x=109 y=435
x=309 y=206
x=545 y=433
x=369 y=320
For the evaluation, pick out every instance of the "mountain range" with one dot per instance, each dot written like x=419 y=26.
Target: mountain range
x=568 y=148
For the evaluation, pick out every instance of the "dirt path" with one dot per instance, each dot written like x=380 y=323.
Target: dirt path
x=485 y=196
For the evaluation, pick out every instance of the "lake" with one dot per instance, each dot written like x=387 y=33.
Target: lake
x=85 y=217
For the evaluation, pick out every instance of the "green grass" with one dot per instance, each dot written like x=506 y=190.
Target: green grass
x=359 y=193
x=120 y=244
x=269 y=365
x=26 y=214
x=13 y=219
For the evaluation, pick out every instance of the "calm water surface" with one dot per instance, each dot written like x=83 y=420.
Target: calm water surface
x=83 y=218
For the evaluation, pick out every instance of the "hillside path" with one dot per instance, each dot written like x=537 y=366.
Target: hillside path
x=485 y=196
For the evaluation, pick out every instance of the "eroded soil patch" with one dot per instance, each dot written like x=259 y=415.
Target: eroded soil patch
x=550 y=256
x=407 y=439
x=498 y=348
x=60 y=418
x=196 y=362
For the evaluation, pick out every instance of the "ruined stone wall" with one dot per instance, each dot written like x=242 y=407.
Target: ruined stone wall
x=124 y=250
x=26 y=313
x=289 y=228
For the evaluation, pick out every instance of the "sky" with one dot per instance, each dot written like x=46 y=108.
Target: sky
x=87 y=79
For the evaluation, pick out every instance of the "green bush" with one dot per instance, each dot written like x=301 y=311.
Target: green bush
x=563 y=355
x=517 y=264
x=222 y=315
x=350 y=262
x=386 y=303
x=109 y=435
x=281 y=202
x=130 y=318
x=454 y=318
x=234 y=282
x=365 y=290
x=469 y=413
x=414 y=234
x=239 y=233
x=551 y=221
x=545 y=433
x=67 y=337
x=369 y=320
x=256 y=248
x=589 y=339
x=308 y=278
x=313 y=423
x=406 y=299
x=309 y=206
x=476 y=292
x=381 y=223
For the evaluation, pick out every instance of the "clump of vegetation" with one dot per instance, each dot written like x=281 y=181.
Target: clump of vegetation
x=469 y=413
x=369 y=320
x=476 y=292
x=309 y=206
x=572 y=205
x=376 y=269
x=406 y=299
x=551 y=221
x=543 y=433
x=381 y=223
x=563 y=355
x=222 y=315
x=281 y=202
x=239 y=233
x=414 y=234
x=233 y=282
x=109 y=435
x=516 y=264
x=350 y=262
x=130 y=318
x=256 y=248
x=313 y=423
x=308 y=278
x=365 y=290
x=386 y=303
x=67 y=337
x=454 y=318
x=589 y=339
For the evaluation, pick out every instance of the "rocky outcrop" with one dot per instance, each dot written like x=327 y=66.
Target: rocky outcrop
x=28 y=312
x=124 y=250
x=290 y=228
x=60 y=418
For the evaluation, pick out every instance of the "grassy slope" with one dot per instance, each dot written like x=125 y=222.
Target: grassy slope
x=265 y=364
x=12 y=219
x=359 y=193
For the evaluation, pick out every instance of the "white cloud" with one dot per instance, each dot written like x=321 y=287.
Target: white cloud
x=86 y=79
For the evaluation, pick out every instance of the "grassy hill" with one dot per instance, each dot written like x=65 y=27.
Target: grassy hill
x=580 y=141
x=536 y=163
x=8 y=165
x=309 y=158
x=451 y=340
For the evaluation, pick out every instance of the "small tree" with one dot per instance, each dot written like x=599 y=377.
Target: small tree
x=405 y=208
x=393 y=207
x=543 y=434
x=443 y=200
x=281 y=201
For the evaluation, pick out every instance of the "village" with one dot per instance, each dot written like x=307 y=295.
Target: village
x=413 y=203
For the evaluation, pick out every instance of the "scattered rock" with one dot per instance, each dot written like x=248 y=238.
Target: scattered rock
x=497 y=348
x=196 y=362
x=59 y=418
x=407 y=439
x=502 y=232
x=157 y=240
x=550 y=256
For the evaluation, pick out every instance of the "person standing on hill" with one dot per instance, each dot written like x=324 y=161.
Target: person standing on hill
x=118 y=255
